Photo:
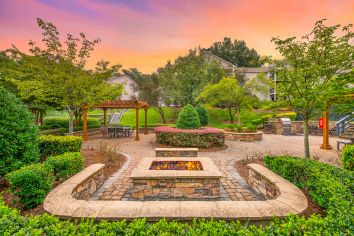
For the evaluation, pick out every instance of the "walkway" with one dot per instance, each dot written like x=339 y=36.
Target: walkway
x=236 y=189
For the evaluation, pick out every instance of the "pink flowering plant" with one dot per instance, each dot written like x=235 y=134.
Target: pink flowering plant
x=202 y=137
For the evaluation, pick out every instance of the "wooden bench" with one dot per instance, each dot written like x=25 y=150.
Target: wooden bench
x=345 y=142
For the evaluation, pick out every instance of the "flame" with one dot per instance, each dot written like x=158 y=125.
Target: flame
x=176 y=165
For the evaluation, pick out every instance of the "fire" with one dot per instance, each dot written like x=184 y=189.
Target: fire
x=176 y=165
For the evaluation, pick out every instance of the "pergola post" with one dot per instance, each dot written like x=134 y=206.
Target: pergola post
x=325 y=145
x=137 y=124
x=105 y=118
x=84 y=130
x=145 y=113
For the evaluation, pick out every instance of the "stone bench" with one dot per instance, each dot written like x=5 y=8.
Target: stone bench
x=176 y=152
x=287 y=199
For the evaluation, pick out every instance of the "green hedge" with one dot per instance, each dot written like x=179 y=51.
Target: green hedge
x=330 y=187
x=63 y=123
x=247 y=128
x=31 y=184
x=347 y=157
x=50 y=145
x=18 y=134
x=65 y=165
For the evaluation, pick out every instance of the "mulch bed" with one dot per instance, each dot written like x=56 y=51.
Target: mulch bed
x=313 y=207
x=92 y=156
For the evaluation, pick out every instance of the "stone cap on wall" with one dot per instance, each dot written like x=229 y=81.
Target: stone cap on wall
x=61 y=203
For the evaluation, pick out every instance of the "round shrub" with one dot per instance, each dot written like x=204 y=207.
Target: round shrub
x=347 y=157
x=31 y=184
x=50 y=145
x=65 y=165
x=18 y=134
x=203 y=114
x=188 y=118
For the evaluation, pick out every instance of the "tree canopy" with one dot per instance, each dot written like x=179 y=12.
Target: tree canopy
x=316 y=68
x=236 y=52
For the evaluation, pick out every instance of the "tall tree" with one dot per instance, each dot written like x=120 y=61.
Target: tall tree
x=69 y=84
x=150 y=90
x=315 y=69
x=236 y=52
x=226 y=94
x=184 y=79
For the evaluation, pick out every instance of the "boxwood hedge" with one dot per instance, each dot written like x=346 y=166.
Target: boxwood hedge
x=65 y=165
x=330 y=187
x=50 y=145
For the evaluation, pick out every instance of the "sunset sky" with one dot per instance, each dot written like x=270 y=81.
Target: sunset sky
x=146 y=33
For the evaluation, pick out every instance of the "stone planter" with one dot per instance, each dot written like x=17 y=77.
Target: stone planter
x=245 y=137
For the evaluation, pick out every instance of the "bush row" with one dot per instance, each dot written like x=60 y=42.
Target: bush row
x=50 y=145
x=63 y=123
x=330 y=187
x=33 y=182
x=203 y=138
x=240 y=128
x=347 y=157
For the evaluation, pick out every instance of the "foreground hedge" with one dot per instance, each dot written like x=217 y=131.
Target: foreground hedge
x=31 y=184
x=50 y=145
x=203 y=137
x=330 y=187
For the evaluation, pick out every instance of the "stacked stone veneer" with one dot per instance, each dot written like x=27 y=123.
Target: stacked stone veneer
x=86 y=188
x=262 y=184
x=246 y=137
x=176 y=152
x=176 y=188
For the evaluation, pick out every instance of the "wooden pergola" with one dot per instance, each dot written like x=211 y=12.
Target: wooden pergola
x=117 y=104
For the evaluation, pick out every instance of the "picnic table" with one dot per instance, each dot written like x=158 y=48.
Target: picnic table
x=120 y=132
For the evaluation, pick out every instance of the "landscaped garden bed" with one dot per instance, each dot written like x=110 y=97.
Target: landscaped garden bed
x=202 y=137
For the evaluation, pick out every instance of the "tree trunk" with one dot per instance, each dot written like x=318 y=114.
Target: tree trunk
x=231 y=116
x=41 y=117
x=161 y=113
x=306 y=138
x=71 y=120
x=238 y=117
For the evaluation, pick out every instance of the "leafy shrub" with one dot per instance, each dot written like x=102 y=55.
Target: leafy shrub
x=330 y=187
x=248 y=128
x=63 y=123
x=347 y=157
x=258 y=121
x=18 y=134
x=50 y=145
x=31 y=184
x=188 y=118
x=203 y=137
x=290 y=115
x=203 y=114
x=65 y=165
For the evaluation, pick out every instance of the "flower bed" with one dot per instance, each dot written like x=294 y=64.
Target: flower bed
x=203 y=137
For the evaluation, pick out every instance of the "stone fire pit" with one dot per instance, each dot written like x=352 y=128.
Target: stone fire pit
x=175 y=178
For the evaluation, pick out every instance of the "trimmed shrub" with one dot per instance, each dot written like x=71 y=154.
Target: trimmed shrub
x=188 y=118
x=290 y=115
x=202 y=114
x=347 y=157
x=50 y=145
x=203 y=137
x=31 y=184
x=65 y=165
x=248 y=128
x=63 y=123
x=18 y=134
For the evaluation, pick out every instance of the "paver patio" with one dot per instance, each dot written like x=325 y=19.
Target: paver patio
x=234 y=188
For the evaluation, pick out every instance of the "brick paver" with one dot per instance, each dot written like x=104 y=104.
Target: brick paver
x=117 y=187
